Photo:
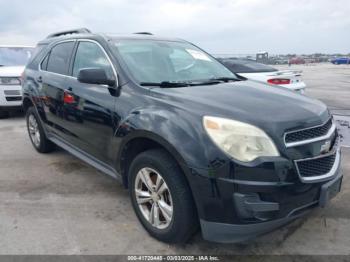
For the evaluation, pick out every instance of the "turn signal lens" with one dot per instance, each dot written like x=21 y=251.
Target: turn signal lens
x=279 y=81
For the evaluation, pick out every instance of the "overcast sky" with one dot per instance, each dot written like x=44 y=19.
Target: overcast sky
x=221 y=26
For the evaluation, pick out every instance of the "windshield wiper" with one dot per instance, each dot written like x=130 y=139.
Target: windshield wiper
x=166 y=84
x=212 y=81
x=182 y=84
x=225 y=79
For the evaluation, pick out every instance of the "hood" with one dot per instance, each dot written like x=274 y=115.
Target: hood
x=15 y=71
x=274 y=109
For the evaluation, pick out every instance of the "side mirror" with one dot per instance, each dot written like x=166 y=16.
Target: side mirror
x=96 y=76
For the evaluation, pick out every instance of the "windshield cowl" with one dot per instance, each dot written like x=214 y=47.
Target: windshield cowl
x=212 y=81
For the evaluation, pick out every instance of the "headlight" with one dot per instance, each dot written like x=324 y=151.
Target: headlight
x=11 y=81
x=242 y=141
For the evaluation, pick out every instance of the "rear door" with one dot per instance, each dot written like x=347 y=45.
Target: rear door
x=91 y=107
x=54 y=69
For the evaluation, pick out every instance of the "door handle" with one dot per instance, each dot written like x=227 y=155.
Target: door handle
x=69 y=91
x=39 y=79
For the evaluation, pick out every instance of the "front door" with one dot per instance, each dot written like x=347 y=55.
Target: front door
x=90 y=107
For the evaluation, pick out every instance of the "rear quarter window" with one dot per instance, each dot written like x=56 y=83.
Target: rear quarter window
x=37 y=55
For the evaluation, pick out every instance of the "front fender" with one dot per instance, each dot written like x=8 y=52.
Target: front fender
x=183 y=137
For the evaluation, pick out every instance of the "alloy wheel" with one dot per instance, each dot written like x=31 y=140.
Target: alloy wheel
x=34 y=132
x=153 y=198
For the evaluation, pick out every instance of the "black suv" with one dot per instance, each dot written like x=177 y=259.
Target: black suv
x=194 y=143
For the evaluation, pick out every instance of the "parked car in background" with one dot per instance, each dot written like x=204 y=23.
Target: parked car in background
x=250 y=69
x=341 y=60
x=310 y=60
x=296 y=60
x=277 y=61
x=12 y=62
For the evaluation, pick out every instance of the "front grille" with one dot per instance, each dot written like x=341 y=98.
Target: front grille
x=12 y=92
x=316 y=167
x=13 y=98
x=309 y=133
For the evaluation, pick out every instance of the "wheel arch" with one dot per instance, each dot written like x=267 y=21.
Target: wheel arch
x=140 y=141
x=27 y=102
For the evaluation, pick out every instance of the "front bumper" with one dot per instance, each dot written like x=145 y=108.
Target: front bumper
x=231 y=233
x=237 y=202
x=10 y=96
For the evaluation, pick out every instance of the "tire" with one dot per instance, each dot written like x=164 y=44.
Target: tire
x=36 y=132
x=4 y=114
x=183 y=222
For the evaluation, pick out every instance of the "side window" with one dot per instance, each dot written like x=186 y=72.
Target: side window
x=90 y=55
x=58 y=61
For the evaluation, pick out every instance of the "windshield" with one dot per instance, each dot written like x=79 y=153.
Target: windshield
x=15 y=56
x=245 y=66
x=155 y=61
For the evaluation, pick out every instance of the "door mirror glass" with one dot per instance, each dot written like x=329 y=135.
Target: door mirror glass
x=96 y=76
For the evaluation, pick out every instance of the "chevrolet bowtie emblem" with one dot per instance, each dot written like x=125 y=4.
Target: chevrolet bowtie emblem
x=326 y=147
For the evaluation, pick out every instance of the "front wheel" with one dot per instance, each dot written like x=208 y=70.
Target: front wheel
x=161 y=197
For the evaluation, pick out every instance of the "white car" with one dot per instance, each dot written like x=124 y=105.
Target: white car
x=250 y=69
x=12 y=62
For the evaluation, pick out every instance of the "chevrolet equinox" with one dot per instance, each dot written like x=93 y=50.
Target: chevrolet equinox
x=195 y=144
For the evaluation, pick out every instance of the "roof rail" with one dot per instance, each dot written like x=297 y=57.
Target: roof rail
x=69 y=32
x=143 y=33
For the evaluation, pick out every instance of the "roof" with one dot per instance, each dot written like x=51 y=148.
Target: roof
x=85 y=33
x=142 y=37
